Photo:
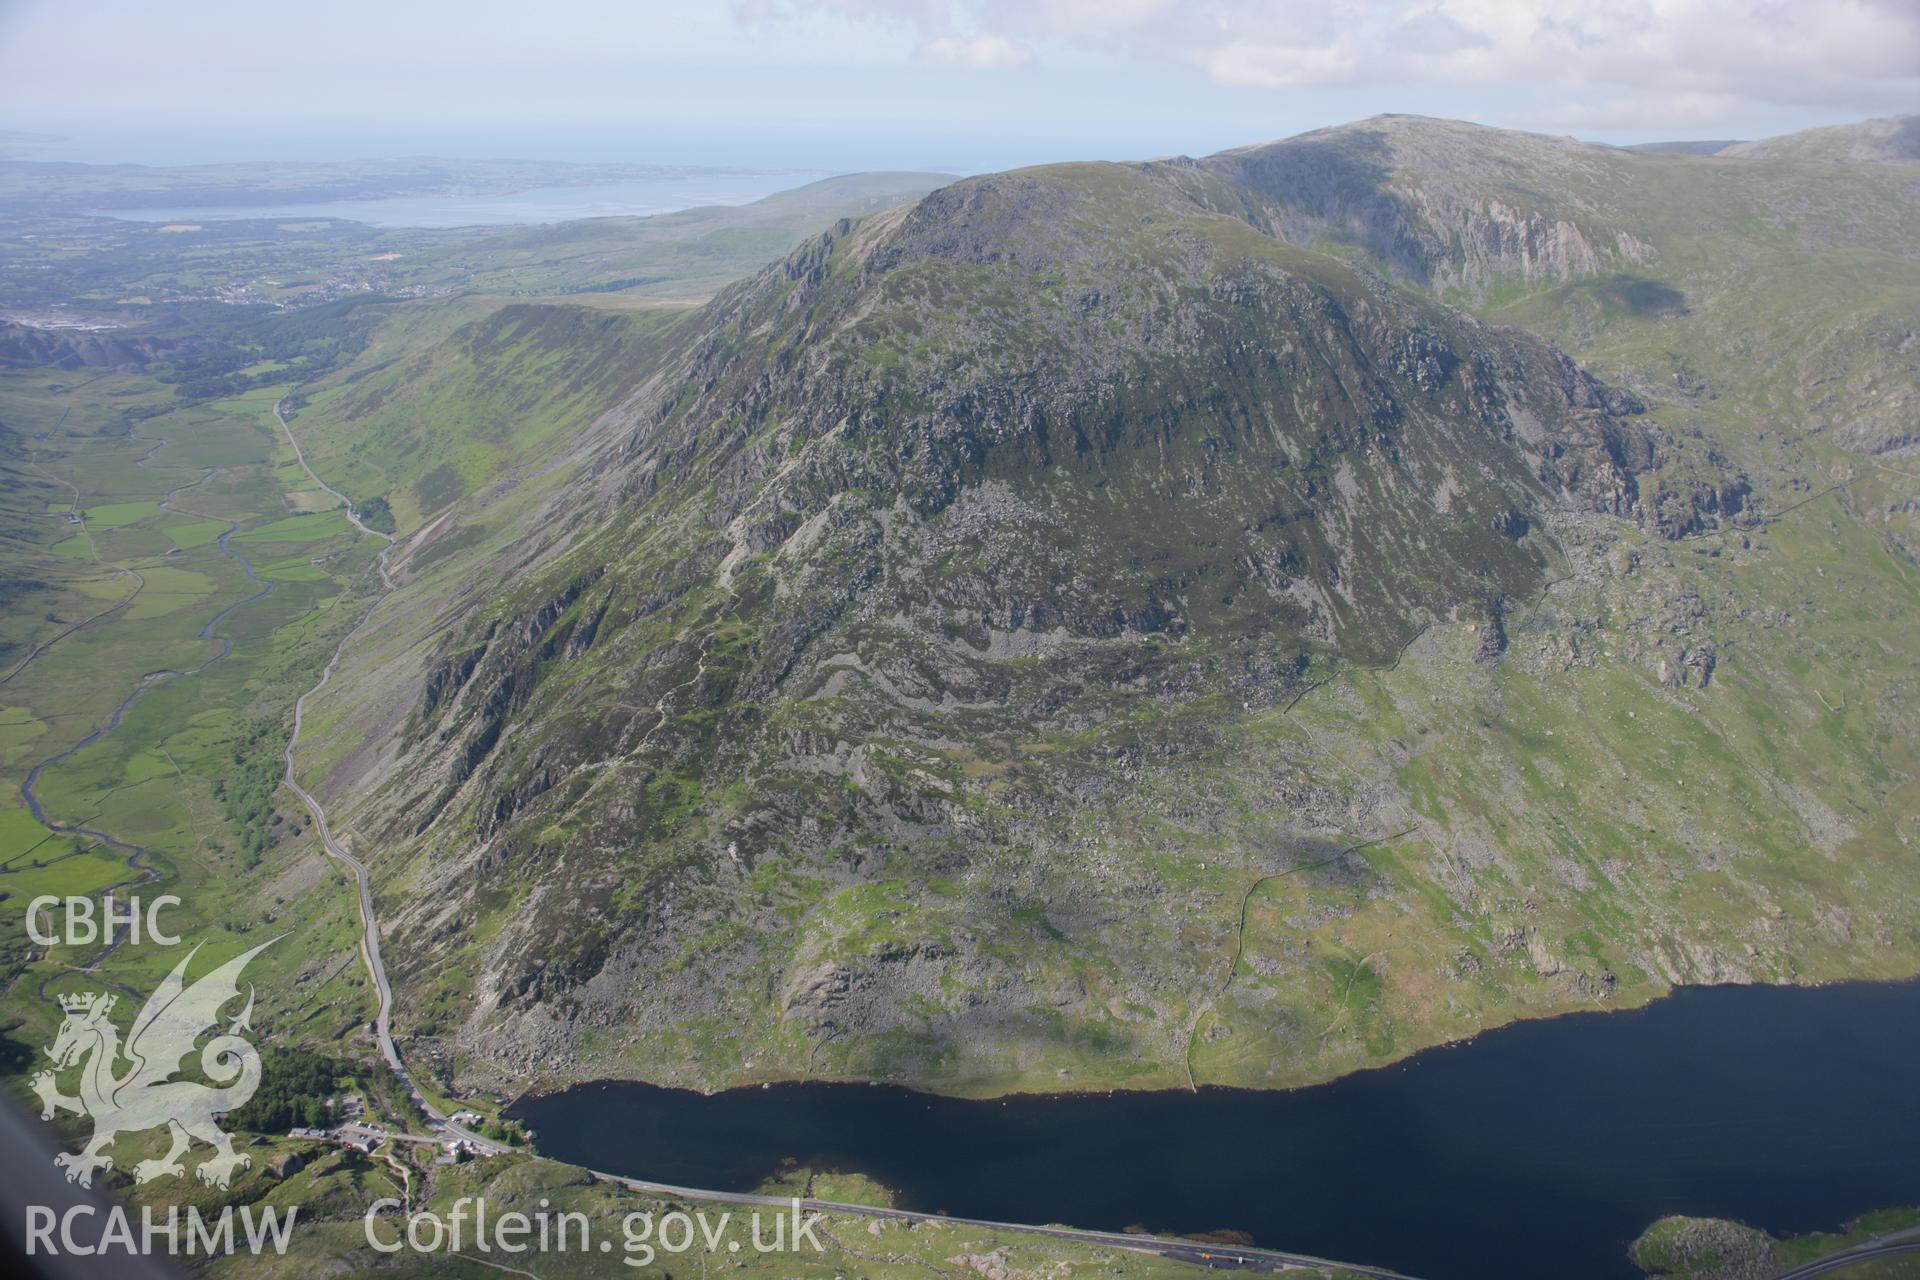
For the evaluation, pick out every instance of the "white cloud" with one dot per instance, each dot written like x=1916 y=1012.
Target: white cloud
x=1599 y=64
x=1676 y=111
x=983 y=53
x=860 y=79
x=1271 y=64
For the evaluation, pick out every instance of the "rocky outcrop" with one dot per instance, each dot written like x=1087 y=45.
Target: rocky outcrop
x=1420 y=196
x=1680 y=1248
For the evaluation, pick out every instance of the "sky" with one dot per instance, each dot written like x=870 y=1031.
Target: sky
x=954 y=85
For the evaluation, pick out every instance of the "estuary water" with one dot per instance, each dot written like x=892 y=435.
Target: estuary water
x=540 y=205
x=1539 y=1149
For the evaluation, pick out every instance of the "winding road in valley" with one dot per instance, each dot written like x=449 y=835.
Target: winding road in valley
x=346 y=503
x=370 y=936
x=443 y=1126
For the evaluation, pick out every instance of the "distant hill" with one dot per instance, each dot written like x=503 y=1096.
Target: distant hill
x=684 y=256
x=1685 y=147
x=1889 y=139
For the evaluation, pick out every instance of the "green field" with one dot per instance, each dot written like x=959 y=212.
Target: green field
x=157 y=781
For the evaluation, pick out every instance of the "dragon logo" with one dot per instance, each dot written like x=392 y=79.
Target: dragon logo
x=145 y=1095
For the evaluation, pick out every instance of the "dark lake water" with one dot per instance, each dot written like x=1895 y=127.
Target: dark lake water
x=1540 y=1149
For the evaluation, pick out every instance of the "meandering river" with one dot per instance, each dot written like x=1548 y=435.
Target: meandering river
x=1539 y=1149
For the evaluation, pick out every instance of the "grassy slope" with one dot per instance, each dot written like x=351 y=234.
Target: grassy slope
x=1753 y=815
x=1769 y=815
x=429 y=416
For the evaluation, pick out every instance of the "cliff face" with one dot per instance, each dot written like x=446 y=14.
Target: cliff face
x=1089 y=343
x=1451 y=207
x=1578 y=240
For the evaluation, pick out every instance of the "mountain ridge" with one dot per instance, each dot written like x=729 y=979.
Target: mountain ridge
x=1033 y=497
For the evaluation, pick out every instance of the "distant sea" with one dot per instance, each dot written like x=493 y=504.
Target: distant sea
x=542 y=204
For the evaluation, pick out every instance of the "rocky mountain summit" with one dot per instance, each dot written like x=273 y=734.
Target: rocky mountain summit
x=1446 y=205
x=901 y=671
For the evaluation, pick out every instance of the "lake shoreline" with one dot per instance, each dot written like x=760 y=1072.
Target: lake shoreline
x=778 y=1078
x=1779 y=1106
